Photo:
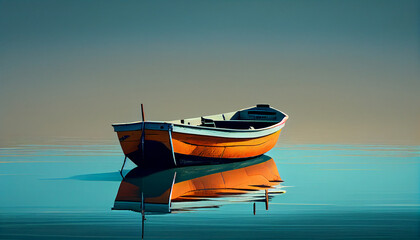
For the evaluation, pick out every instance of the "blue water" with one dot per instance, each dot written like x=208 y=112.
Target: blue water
x=330 y=192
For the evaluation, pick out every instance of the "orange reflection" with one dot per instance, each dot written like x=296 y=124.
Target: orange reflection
x=249 y=180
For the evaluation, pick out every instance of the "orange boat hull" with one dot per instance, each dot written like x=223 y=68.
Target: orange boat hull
x=191 y=149
x=230 y=148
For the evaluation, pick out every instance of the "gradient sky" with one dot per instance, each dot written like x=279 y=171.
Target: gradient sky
x=345 y=71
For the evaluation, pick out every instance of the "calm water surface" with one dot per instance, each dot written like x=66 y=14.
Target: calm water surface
x=328 y=192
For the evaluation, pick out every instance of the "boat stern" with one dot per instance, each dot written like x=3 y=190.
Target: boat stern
x=156 y=146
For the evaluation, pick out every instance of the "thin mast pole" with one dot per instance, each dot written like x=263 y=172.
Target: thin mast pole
x=142 y=112
x=143 y=132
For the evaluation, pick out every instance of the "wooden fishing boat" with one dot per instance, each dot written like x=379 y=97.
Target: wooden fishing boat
x=219 y=138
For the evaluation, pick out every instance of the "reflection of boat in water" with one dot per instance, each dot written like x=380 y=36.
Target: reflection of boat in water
x=196 y=187
x=211 y=139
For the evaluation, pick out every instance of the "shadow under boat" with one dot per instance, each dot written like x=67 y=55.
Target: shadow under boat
x=152 y=191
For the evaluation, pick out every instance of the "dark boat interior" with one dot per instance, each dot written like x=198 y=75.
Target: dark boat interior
x=237 y=124
x=261 y=116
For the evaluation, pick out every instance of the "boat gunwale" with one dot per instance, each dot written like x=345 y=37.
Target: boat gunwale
x=230 y=130
x=202 y=127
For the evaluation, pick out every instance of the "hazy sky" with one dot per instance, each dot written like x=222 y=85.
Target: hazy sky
x=345 y=71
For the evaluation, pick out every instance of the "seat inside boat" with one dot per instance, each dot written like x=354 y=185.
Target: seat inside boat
x=238 y=124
